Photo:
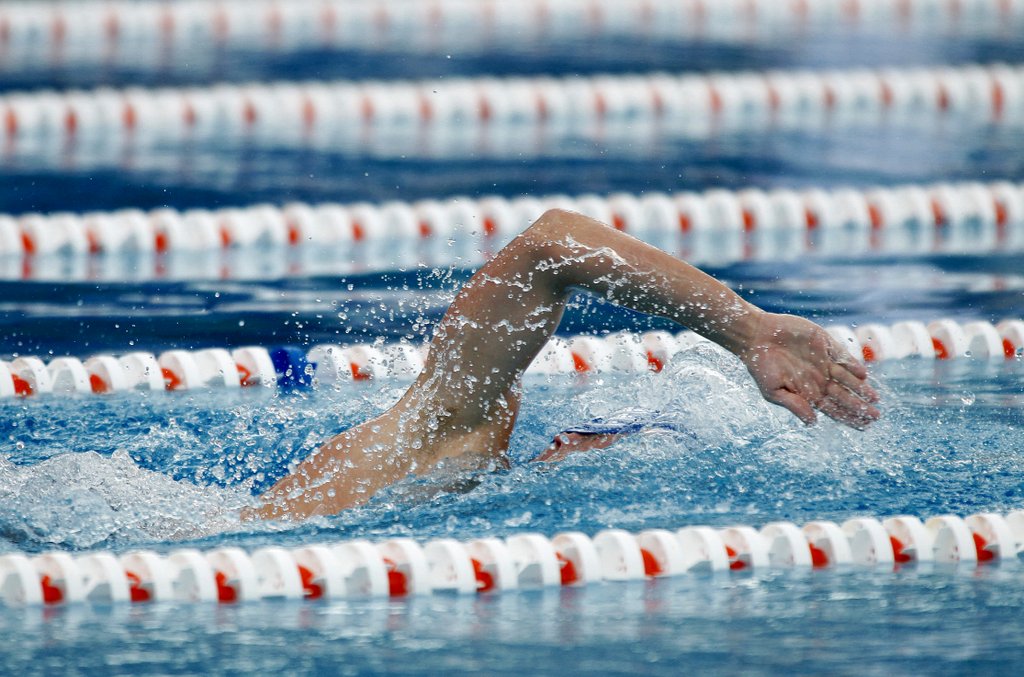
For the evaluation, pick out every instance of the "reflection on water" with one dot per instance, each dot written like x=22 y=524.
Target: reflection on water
x=348 y=163
x=941 y=622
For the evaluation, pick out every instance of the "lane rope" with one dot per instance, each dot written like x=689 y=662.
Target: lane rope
x=446 y=117
x=402 y=567
x=955 y=217
x=327 y=365
x=146 y=34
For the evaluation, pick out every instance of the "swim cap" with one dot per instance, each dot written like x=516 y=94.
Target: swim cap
x=629 y=421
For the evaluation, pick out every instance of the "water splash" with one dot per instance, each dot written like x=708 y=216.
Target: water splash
x=85 y=500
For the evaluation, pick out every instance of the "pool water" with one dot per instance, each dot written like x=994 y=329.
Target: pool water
x=164 y=471
x=167 y=470
x=233 y=174
x=845 y=622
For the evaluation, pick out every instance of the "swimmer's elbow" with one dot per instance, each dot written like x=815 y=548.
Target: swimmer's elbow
x=555 y=216
x=550 y=227
x=548 y=236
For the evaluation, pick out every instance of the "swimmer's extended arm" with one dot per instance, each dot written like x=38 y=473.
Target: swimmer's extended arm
x=507 y=312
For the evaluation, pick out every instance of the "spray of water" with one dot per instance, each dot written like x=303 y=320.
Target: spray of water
x=85 y=500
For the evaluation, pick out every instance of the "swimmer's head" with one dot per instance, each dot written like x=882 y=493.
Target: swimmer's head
x=567 y=442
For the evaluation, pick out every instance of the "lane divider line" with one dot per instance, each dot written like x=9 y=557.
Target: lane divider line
x=446 y=114
x=325 y=365
x=403 y=567
x=114 y=31
x=969 y=216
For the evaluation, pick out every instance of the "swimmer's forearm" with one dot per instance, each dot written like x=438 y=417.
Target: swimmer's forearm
x=634 y=274
x=794 y=362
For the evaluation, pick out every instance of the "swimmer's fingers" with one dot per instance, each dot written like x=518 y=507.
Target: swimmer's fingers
x=848 y=371
x=797 y=404
x=838 y=404
x=846 y=407
x=848 y=378
x=842 y=357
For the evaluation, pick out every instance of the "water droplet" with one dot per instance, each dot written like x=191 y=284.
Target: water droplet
x=968 y=398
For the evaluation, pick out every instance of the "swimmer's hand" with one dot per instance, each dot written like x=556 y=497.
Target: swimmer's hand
x=799 y=366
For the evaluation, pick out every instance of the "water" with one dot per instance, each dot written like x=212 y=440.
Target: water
x=220 y=174
x=169 y=470
x=753 y=625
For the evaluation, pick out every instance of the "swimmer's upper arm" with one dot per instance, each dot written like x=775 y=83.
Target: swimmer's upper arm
x=493 y=330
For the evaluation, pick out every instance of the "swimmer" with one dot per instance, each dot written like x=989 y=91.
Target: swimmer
x=463 y=405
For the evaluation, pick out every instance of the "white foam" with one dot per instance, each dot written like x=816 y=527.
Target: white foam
x=83 y=500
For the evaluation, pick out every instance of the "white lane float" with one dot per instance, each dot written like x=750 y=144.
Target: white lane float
x=897 y=219
x=578 y=558
x=787 y=545
x=827 y=543
x=493 y=564
x=363 y=569
x=870 y=543
x=19 y=582
x=401 y=567
x=142 y=371
x=330 y=364
x=953 y=540
x=536 y=561
x=105 y=578
x=320 y=572
x=911 y=542
x=993 y=537
x=620 y=555
x=704 y=550
x=278 y=574
x=407 y=567
x=662 y=553
x=234 y=574
x=745 y=547
x=195 y=579
x=60 y=579
x=451 y=567
x=150 y=576
x=68 y=376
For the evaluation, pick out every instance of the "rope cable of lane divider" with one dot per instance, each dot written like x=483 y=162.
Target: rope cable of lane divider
x=402 y=567
x=293 y=367
x=910 y=218
x=142 y=33
x=442 y=117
